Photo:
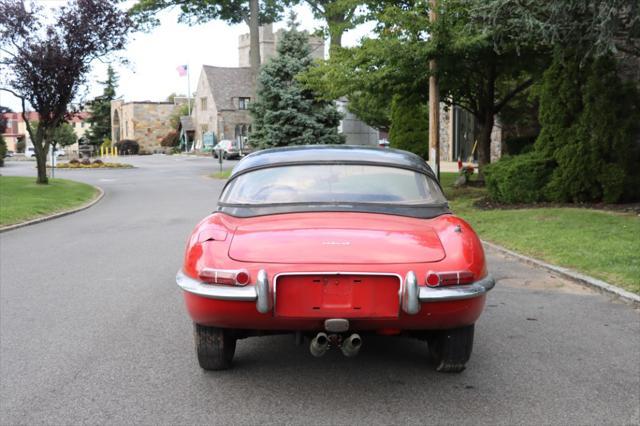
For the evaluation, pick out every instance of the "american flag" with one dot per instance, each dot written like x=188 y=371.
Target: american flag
x=182 y=70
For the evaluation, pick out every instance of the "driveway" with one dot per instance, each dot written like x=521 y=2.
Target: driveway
x=93 y=330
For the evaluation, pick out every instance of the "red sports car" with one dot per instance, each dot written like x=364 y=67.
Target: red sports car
x=334 y=243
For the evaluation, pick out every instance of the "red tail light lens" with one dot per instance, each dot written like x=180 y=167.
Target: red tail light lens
x=433 y=279
x=225 y=276
x=242 y=278
x=437 y=279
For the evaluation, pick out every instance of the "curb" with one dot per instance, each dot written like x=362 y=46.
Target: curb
x=601 y=286
x=56 y=215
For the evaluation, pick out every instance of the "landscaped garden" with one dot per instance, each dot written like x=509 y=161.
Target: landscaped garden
x=95 y=164
x=600 y=243
x=22 y=199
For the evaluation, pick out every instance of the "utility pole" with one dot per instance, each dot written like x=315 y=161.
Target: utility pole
x=434 y=104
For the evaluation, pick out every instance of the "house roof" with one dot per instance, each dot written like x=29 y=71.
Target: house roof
x=186 y=122
x=228 y=83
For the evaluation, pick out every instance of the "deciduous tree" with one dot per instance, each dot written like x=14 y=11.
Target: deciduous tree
x=45 y=62
x=479 y=68
x=252 y=12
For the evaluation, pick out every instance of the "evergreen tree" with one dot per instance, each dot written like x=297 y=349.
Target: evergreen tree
x=100 y=119
x=589 y=124
x=410 y=126
x=286 y=112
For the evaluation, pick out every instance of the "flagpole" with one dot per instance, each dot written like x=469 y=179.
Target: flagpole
x=189 y=89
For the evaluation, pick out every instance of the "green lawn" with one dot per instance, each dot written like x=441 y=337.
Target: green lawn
x=602 y=244
x=221 y=175
x=21 y=199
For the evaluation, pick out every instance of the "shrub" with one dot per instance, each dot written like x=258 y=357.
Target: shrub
x=520 y=144
x=171 y=139
x=98 y=161
x=106 y=143
x=21 y=145
x=85 y=162
x=74 y=161
x=127 y=147
x=409 y=127
x=3 y=150
x=518 y=179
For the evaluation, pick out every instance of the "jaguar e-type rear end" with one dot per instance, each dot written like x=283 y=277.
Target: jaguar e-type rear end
x=334 y=243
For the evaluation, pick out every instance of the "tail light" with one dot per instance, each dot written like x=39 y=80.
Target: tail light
x=438 y=279
x=225 y=276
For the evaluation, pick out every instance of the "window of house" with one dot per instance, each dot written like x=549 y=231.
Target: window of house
x=203 y=104
x=243 y=103
x=82 y=124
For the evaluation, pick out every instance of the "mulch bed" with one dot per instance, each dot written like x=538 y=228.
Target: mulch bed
x=488 y=204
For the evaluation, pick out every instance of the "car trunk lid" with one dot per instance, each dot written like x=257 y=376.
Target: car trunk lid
x=336 y=245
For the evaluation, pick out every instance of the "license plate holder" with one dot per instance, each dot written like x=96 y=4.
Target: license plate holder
x=337 y=296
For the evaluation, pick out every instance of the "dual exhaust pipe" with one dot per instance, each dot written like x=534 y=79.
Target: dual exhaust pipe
x=349 y=346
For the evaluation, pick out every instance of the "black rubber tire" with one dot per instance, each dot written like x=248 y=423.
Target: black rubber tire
x=215 y=347
x=451 y=349
x=214 y=154
x=224 y=156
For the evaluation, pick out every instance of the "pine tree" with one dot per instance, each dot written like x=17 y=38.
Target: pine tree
x=100 y=119
x=285 y=112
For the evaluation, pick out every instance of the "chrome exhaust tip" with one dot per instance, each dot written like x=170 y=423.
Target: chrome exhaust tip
x=351 y=345
x=319 y=345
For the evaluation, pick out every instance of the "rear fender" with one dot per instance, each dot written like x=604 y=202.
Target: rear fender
x=462 y=246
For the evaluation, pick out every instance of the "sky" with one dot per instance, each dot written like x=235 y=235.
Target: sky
x=153 y=57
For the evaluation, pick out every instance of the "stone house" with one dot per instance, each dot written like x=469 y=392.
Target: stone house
x=145 y=122
x=223 y=94
x=221 y=103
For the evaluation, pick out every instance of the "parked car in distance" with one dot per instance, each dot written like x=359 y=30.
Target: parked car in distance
x=333 y=243
x=231 y=149
x=9 y=154
x=31 y=153
x=227 y=148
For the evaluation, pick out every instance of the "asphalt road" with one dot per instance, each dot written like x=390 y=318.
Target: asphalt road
x=93 y=330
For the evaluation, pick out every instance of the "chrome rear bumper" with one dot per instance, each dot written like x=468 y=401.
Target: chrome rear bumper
x=413 y=295
x=459 y=292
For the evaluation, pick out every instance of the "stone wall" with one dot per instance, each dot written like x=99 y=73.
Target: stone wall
x=269 y=43
x=228 y=120
x=445 y=133
x=151 y=124
x=145 y=122
x=496 y=142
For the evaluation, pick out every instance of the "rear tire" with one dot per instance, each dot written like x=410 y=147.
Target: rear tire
x=451 y=349
x=215 y=347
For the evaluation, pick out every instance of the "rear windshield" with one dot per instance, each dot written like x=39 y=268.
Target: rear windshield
x=332 y=183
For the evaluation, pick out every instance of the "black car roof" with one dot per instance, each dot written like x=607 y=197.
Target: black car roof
x=314 y=154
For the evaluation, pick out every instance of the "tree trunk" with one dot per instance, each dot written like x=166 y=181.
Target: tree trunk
x=336 y=25
x=485 y=127
x=41 y=164
x=254 y=37
x=41 y=148
x=335 y=41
